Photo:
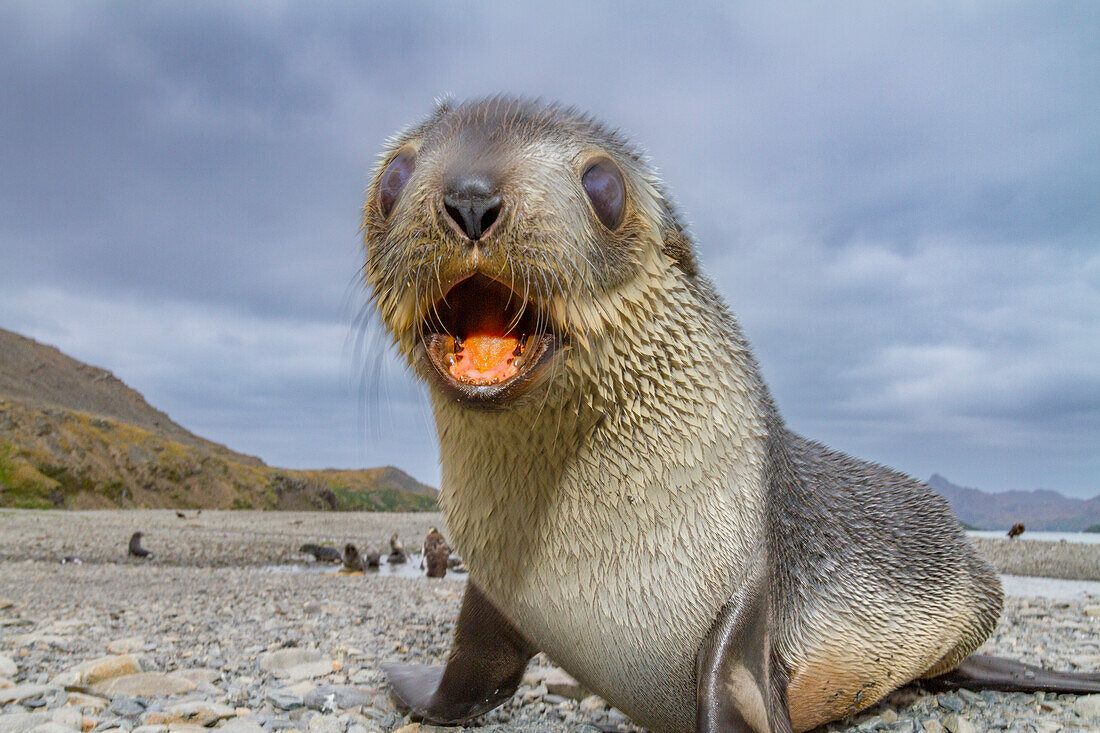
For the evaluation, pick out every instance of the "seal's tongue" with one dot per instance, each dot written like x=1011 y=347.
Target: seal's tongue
x=484 y=359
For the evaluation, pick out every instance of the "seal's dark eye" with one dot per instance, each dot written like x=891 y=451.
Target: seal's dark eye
x=393 y=180
x=604 y=184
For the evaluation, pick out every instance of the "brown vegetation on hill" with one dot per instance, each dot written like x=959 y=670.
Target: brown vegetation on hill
x=74 y=436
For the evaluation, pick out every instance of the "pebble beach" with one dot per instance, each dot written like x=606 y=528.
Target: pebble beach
x=228 y=627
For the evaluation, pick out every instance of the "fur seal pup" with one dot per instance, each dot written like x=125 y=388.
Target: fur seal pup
x=435 y=554
x=321 y=553
x=353 y=563
x=397 y=551
x=590 y=387
x=135 y=549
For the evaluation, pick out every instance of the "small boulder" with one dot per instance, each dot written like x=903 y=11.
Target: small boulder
x=144 y=684
x=8 y=668
x=89 y=673
x=284 y=699
x=958 y=724
x=1087 y=706
x=241 y=726
x=126 y=646
x=284 y=659
x=51 y=726
x=86 y=702
x=330 y=698
x=194 y=712
x=19 y=722
x=559 y=682
x=22 y=692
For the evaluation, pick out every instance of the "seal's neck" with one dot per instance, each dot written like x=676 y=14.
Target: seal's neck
x=662 y=391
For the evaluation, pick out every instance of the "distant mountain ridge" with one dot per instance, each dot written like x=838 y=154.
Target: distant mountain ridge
x=74 y=436
x=1041 y=509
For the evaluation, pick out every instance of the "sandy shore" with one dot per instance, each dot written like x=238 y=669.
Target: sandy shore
x=224 y=639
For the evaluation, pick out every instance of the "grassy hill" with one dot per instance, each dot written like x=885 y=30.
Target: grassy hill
x=74 y=436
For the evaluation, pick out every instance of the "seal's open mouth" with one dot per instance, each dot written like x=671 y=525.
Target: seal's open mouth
x=484 y=339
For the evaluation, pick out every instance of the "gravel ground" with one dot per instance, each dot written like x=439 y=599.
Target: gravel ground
x=1069 y=560
x=187 y=643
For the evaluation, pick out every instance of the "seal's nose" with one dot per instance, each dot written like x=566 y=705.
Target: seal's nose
x=473 y=204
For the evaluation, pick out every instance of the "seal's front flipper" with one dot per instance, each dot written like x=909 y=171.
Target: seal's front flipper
x=485 y=666
x=983 y=672
x=741 y=687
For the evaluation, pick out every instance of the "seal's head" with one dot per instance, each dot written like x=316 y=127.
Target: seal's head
x=503 y=236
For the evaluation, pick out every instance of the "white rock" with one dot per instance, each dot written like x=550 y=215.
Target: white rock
x=199 y=675
x=306 y=671
x=559 y=682
x=284 y=659
x=534 y=676
x=52 y=727
x=1087 y=706
x=325 y=724
x=186 y=728
x=21 y=692
x=239 y=726
x=21 y=722
x=67 y=717
x=8 y=667
x=39 y=639
x=127 y=645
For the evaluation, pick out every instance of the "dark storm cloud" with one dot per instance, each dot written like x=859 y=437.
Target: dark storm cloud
x=900 y=204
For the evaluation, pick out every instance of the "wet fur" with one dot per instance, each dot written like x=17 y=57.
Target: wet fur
x=648 y=477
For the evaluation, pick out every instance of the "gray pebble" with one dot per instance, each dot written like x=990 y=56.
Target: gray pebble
x=126 y=707
x=285 y=699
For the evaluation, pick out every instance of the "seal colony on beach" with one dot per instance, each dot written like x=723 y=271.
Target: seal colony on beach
x=592 y=392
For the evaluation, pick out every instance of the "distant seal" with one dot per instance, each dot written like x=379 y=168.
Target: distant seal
x=436 y=553
x=353 y=563
x=397 y=551
x=590 y=388
x=135 y=549
x=321 y=553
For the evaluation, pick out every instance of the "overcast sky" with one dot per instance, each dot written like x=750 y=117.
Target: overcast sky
x=901 y=202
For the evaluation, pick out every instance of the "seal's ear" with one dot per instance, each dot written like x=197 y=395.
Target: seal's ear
x=678 y=246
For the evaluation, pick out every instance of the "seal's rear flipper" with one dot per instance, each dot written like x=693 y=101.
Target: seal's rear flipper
x=485 y=666
x=982 y=672
x=740 y=685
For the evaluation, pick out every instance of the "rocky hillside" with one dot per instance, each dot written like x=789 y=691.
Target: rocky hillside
x=1041 y=509
x=74 y=436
